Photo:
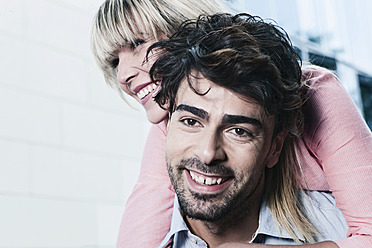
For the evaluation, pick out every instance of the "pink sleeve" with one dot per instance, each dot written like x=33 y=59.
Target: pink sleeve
x=148 y=211
x=338 y=138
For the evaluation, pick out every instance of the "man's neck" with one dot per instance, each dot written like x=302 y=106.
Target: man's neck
x=240 y=226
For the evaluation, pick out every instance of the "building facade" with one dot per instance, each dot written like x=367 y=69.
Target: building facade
x=330 y=33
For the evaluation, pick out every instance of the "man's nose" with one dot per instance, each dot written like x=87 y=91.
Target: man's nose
x=210 y=148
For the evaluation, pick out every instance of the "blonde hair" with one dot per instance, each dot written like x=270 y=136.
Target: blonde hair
x=282 y=195
x=117 y=22
x=282 y=186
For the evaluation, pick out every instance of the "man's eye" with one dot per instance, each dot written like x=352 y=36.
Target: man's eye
x=189 y=122
x=136 y=43
x=240 y=132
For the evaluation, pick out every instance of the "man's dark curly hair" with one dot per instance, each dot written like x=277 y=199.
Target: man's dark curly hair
x=242 y=53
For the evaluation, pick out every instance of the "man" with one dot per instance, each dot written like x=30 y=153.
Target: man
x=232 y=86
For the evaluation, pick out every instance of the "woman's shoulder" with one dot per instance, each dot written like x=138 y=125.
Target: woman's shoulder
x=161 y=127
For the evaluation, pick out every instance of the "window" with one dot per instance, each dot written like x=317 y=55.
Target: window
x=323 y=61
x=365 y=83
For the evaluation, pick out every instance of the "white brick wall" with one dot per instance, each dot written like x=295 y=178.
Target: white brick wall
x=70 y=148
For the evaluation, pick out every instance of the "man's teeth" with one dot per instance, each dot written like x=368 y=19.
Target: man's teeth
x=205 y=181
x=145 y=91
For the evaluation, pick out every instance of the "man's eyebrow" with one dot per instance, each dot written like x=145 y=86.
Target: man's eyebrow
x=239 y=119
x=196 y=111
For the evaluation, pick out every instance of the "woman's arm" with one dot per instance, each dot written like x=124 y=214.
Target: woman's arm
x=326 y=244
x=338 y=138
x=148 y=211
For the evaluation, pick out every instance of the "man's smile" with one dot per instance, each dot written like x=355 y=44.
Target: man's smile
x=207 y=183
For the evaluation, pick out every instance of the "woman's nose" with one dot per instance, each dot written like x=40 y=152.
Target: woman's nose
x=126 y=70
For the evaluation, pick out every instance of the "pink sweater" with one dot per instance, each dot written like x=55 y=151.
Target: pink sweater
x=335 y=153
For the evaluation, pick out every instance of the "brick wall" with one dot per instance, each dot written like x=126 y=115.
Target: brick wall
x=70 y=148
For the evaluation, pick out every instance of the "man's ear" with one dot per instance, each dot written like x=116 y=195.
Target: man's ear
x=276 y=148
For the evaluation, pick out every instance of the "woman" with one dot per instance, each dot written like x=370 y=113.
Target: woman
x=335 y=150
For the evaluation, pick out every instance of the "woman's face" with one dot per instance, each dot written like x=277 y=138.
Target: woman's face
x=134 y=79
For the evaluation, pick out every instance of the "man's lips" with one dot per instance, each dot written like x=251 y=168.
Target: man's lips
x=207 y=183
x=208 y=180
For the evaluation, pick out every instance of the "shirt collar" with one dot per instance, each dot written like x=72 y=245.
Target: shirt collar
x=266 y=225
x=177 y=225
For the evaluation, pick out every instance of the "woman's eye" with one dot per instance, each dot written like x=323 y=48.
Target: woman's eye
x=115 y=63
x=136 y=43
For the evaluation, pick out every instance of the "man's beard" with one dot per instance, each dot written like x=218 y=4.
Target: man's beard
x=221 y=207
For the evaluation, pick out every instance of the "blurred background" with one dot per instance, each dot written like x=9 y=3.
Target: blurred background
x=70 y=148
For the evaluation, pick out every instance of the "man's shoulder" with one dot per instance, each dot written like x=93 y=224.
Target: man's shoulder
x=323 y=213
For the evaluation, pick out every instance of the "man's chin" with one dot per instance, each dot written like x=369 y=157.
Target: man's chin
x=204 y=208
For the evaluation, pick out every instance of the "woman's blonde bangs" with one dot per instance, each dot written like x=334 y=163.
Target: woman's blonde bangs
x=117 y=23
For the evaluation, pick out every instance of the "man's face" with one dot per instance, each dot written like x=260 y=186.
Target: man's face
x=218 y=145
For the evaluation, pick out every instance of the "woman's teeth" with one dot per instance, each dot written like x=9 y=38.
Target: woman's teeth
x=205 y=181
x=145 y=91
